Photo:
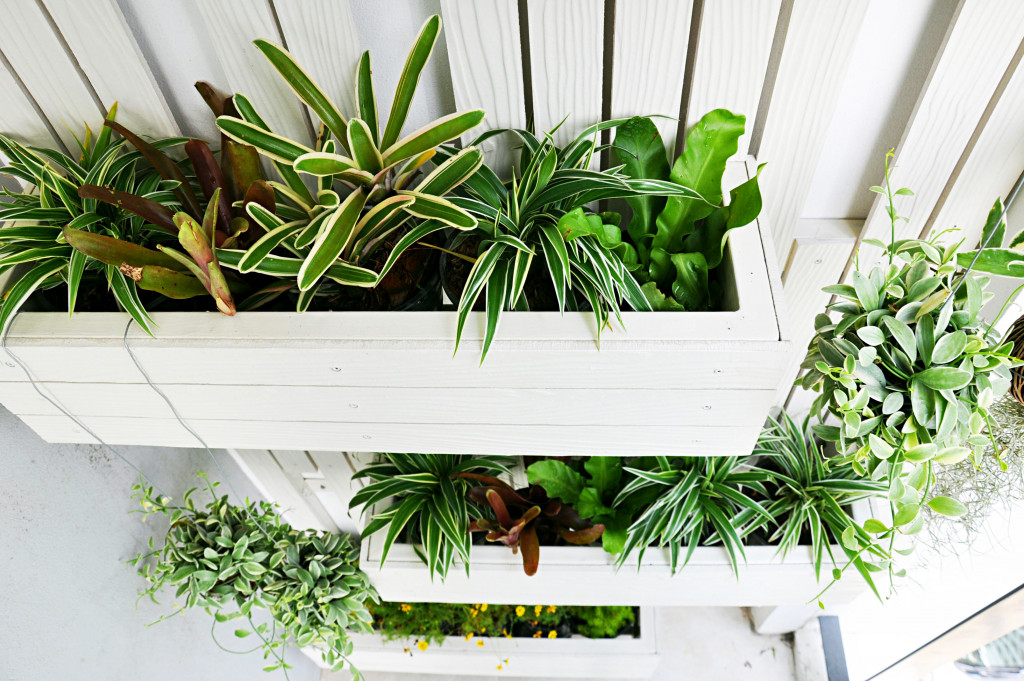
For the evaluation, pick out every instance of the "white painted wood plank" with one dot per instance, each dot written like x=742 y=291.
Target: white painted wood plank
x=990 y=170
x=649 y=66
x=322 y=36
x=815 y=59
x=977 y=49
x=605 y=440
x=384 y=405
x=39 y=58
x=298 y=507
x=711 y=365
x=732 y=58
x=19 y=119
x=487 y=70
x=821 y=250
x=247 y=70
x=566 y=52
x=105 y=49
x=337 y=488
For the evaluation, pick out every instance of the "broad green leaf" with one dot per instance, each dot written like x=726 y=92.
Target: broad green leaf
x=949 y=347
x=744 y=207
x=867 y=293
x=366 y=99
x=709 y=144
x=640 y=148
x=266 y=244
x=323 y=164
x=452 y=172
x=872 y=335
x=435 y=208
x=943 y=378
x=947 y=506
x=362 y=147
x=605 y=472
x=903 y=335
x=994 y=231
x=558 y=479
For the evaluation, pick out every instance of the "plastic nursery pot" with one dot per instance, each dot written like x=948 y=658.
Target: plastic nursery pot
x=1016 y=336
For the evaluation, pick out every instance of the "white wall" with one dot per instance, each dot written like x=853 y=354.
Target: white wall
x=68 y=600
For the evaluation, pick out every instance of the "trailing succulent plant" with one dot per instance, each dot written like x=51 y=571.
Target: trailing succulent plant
x=233 y=561
x=909 y=368
x=676 y=242
x=428 y=501
x=52 y=227
x=522 y=518
x=545 y=210
x=368 y=181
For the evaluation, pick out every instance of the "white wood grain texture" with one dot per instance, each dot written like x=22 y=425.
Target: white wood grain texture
x=732 y=58
x=342 y=404
x=19 y=119
x=566 y=53
x=487 y=70
x=990 y=170
x=106 y=50
x=37 y=55
x=586 y=575
x=716 y=365
x=247 y=70
x=321 y=34
x=651 y=38
x=817 y=52
x=625 y=657
x=337 y=488
x=821 y=250
x=978 y=47
x=604 y=440
x=770 y=259
x=299 y=509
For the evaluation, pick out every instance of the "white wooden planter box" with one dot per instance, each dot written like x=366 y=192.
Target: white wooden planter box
x=586 y=575
x=696 y=383
x=625 y=657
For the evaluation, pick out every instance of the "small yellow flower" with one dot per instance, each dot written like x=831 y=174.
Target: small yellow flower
x=423 y=645
x=473 y=612
x=537 y=609
x=552 y=608
x=520 y=611
x=504 y=632
x=480 y=643
x=499 y=666
x=552 y=634
x=483 y=607
x=469 y=636
x=483 y=630
x=536 y=634
x=406 y=607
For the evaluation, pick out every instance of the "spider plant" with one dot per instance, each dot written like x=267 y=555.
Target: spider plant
x=429 y=495
x=695 y=501
x=810 y=495
x=33 y=221
x=545 y=210
x=368 y=182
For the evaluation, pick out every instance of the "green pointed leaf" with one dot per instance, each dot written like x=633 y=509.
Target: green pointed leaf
x=947 y=506
x=334 y=236
x=414 y=63
x=270 y=145
x=440 y=131
x=558 y=479
x=366 y=99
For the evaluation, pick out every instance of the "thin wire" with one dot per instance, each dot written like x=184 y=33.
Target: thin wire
x=77 y=421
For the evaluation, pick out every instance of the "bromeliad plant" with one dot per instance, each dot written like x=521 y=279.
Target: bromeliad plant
x=694 y=501
x=678 y=241
x=367 y=180
x=544 y=211
x=909 y=368
x=523 y=518
x=809 y=495
x=234 y=560
x=429 y=493
x=36 y=225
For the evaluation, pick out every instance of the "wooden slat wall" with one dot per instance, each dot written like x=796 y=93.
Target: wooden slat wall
x=649 y=61
x=979 y=45
x=567 y=49
x=732 y=59
x=485 y=54
x=815 y=58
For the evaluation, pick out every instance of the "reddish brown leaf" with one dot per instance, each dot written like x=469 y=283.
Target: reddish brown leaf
x=152 y=212
x=580 y=537
x=164 y=165
x=530 y=545
x=260 y=192
x=210 y=178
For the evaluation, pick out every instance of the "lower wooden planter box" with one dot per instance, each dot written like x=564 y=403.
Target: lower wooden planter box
x=586 y=575
x=625 y=657
x=695 y=383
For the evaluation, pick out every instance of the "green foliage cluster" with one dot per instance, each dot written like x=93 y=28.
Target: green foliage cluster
x=434 y=622
x=234 y=560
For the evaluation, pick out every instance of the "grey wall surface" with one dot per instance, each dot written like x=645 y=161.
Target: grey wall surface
x=67 y=598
